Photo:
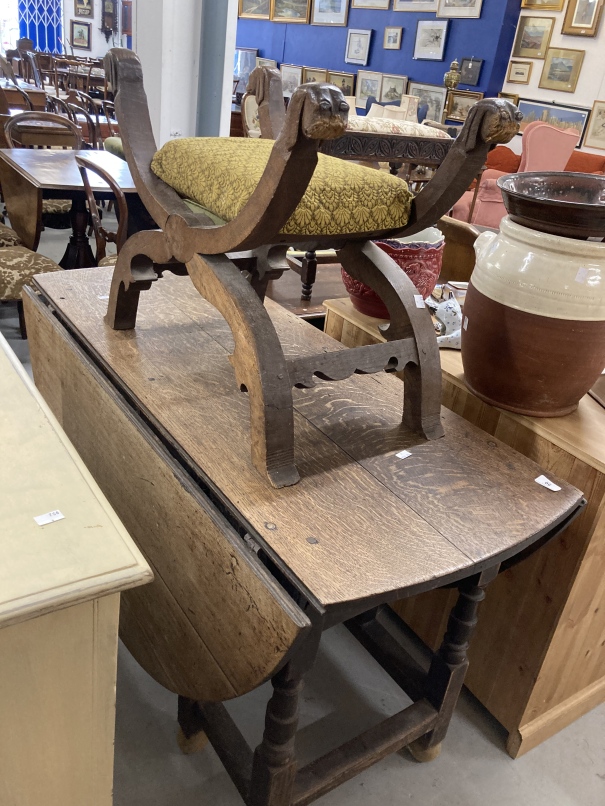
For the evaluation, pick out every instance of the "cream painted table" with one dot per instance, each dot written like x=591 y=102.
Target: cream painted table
x=538 y=660
x=59 y=604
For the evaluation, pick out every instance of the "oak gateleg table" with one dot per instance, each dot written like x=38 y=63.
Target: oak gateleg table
x=29 y=175
x=247 y=577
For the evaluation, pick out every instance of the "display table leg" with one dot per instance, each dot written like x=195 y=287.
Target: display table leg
x=78 y=254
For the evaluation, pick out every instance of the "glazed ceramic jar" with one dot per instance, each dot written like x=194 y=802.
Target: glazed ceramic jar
x=533 y=336
x=420 y=256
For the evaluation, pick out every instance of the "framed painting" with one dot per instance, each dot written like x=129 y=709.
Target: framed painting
x=313 y=75
x=533 y=37
x=519 y=72
x=368 y=86
x=415 y=5
x=470 y=70
x=459 y=8
x=392 y=38
x=562 y=117
x=255 y=9
x=430 y=39
x=393 y=88
x=459 y=104
x=543 y=5
x=84 y=8
x=344 y=82
x=358 y=46
x=262 y=62
x=595 y=132
x=290 y=11
x=80 y=34
x=561 y=70
x=291 y=78
x=381 y=4
x=583 y=17
x=509 y=96
x=330 y=12
x=431 y=100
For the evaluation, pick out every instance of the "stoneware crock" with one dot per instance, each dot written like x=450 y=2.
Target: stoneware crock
x=420 y=256
x=533 y=336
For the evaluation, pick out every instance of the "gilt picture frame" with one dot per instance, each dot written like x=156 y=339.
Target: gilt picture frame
x=314 y=74
x=461 y=9
x=293 y=11
x=595 y=131
x=519 y=72
x=561 y=71
x=543 y=5
x=344 y=82
x=431 y=38
x=459 y=104
x=330 y=12
x=358 y=46
x=583 y=17
x=84 y=8
x=533 y=37
x=255 y=9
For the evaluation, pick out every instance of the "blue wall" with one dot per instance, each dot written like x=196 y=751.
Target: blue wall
x=490 y=38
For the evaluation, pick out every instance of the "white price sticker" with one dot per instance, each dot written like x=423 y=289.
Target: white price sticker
x=49 y=517
x=103 y=296
x=418 y=299
x=465 y=325
x=550 y=485
x=403 y=455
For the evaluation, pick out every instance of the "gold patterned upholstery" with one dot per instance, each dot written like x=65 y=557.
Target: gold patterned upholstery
x=8 y=237
x=108 y=260
x=221 y=173
x=17 y=267
x=56 y=206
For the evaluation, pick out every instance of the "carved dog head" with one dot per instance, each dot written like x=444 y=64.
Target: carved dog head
x=323 y=111
x=493 y=121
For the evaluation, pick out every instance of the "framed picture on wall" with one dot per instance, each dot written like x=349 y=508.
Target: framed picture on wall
x=262 y=62
x=330 y=12
x=519 y=72
x=344 y=82
x=470 y=70
x=459 y=8
x=595 y=133
x=415 y=5
x=290 y=10
x=562 y=117
x=314 y=74
x=255 y=9
x=533 y=37
x=368 y=85
x=543 y=5
x=80 y=34
x=393 y=88
x=509 y=96
x=583 y=17
x=392 y=38
x=127 y=17
x=291 y=78
x=459 y=104
x=431 y=99
x=382 y=4
x=430 y=39
x=84 y=8
x=561 y=70
x=358 y=46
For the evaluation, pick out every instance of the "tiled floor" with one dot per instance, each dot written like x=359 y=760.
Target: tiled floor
x=346 y=693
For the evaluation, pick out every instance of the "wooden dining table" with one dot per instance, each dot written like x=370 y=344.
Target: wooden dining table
x=37 y=132
x=28 y=176
x=15 y=99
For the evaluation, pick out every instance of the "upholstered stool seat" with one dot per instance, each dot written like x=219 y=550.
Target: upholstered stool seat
x=17 y=267
x=8 y=237
x=56 y=206
x=108 y=260
x=221 y=174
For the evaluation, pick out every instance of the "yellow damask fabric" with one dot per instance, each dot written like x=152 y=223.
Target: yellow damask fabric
x=17 y=267
x=221 y=173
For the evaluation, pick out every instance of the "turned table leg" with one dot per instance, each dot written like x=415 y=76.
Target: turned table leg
x=448 y=668
x=191 y=738
x=78 y=254
x=274 y=766
x=308 y=275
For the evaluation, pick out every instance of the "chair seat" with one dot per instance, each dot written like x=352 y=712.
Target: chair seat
x=221 y=173
x=108 y=260
x=114 y=146
x=8 y=237
x=17 y=267
x=56 y=206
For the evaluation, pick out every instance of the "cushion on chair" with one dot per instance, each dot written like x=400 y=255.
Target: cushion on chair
x=8 y=237
x=17 y=267
x=392 y=126
x=114 y=146
x=108 y=260
x=221 y=173
x=56 y=206
x=582 y=162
